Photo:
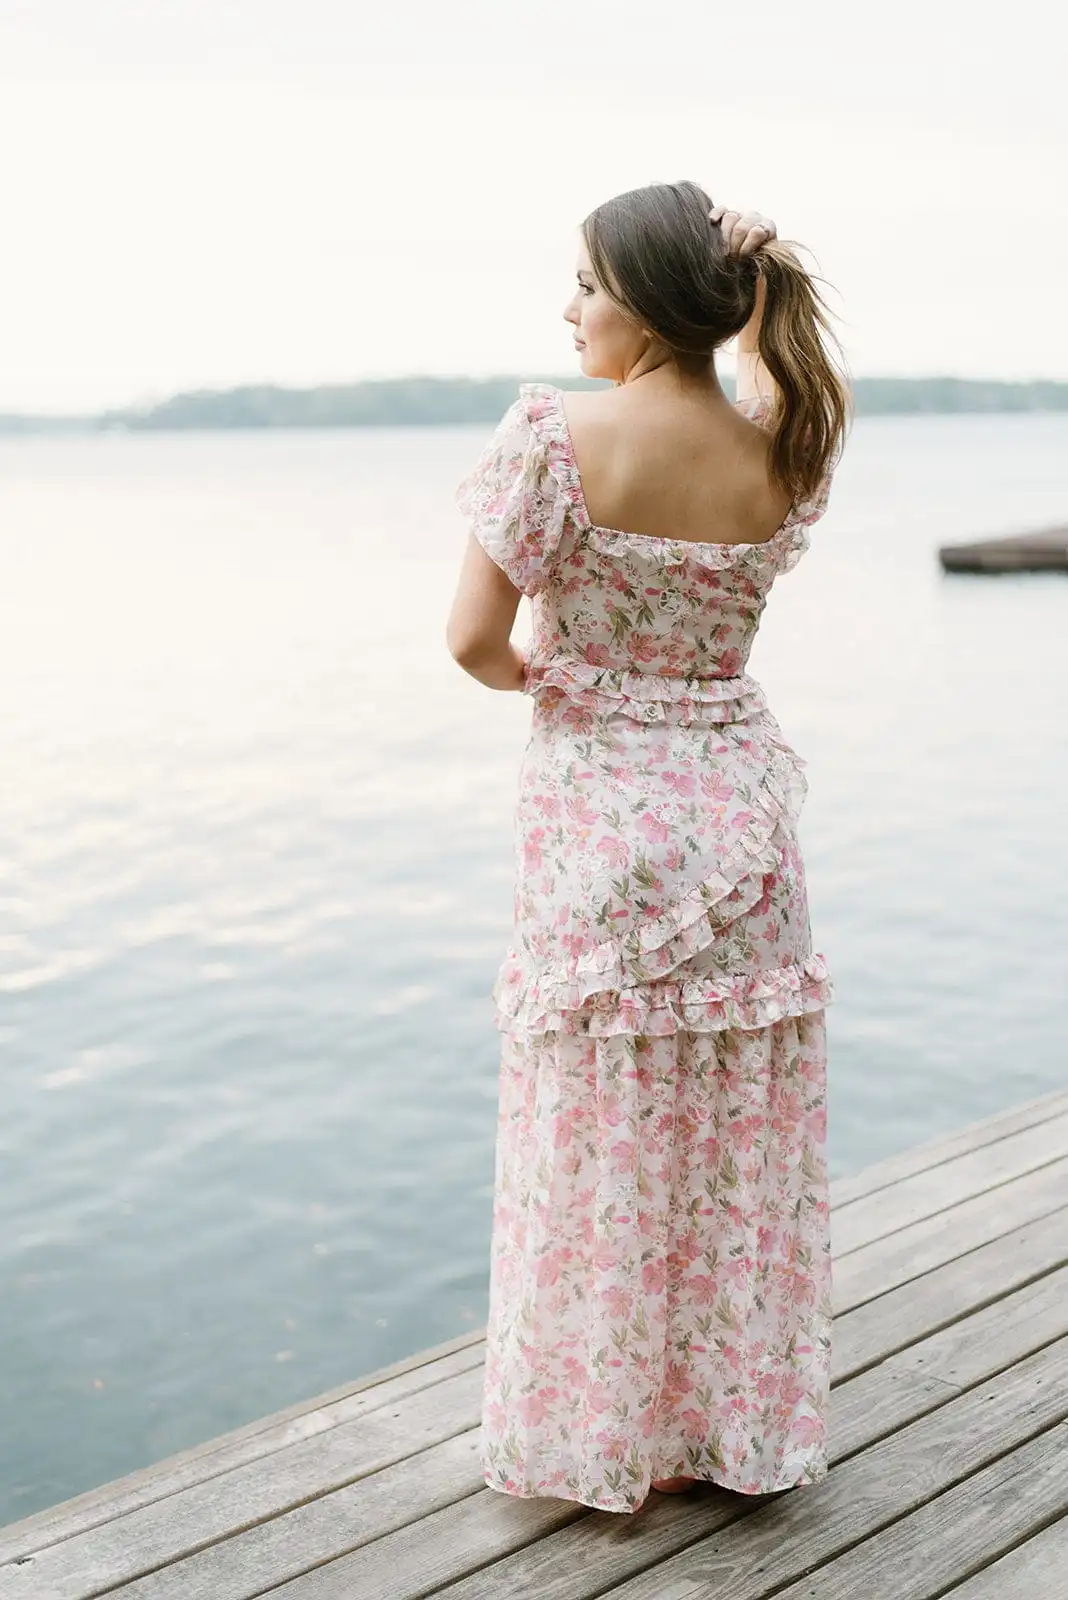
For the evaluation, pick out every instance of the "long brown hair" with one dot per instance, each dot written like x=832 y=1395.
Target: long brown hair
x=664 y=262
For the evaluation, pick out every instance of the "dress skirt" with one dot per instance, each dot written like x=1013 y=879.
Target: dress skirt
x=660 y=1275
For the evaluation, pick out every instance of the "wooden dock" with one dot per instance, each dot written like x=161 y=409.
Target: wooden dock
x=1043 y=551
x=948 y=1433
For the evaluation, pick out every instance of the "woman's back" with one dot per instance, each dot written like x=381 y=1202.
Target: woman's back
x=669 y=464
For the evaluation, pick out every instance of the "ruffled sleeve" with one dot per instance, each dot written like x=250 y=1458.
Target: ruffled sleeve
x=515 y=502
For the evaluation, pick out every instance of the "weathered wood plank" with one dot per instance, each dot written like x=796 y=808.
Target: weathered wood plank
x=245 y=1444
x=928 y=1308
x=901 y=1257
x=167 y=1530
x=410 y=1560
x=969 y=1352
x=944 y=1147
x=880 y=1327
x=1033 y=1571
x=414 y=1560
x=935 y=1190
x=756 y=1555
x=956 y=1533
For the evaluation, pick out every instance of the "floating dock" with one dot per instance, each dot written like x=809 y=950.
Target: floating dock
x=1043 y=551
x=948 y=1439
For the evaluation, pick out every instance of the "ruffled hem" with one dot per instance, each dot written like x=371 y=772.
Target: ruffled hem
x=696 y=1005
x=646 y=696
x=624 y=985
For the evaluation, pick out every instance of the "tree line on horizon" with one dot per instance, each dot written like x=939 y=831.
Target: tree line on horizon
x=445 y=401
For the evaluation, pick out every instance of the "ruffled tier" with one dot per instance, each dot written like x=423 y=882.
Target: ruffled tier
x=645 y=696
x=626 y=985
x=699 y=1005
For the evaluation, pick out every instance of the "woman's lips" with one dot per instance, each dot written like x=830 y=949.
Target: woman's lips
x=580 y=344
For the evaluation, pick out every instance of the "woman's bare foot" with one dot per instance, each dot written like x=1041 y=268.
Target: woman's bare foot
x=672 y=1485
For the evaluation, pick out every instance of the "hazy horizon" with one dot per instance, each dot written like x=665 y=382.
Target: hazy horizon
x=205 y=198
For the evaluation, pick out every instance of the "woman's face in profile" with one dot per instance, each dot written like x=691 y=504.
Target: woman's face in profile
x=608 y=343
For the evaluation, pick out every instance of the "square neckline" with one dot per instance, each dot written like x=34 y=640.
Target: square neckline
x=651 y=538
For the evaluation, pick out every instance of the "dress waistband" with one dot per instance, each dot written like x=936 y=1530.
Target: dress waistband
x=647 y=696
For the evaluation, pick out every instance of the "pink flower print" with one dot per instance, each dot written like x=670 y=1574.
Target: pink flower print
x=738 y=1270
x=647 y=1421
x=615 y=849
x=654 y=1276
x=694 y=1423
x=715 y=785
x=532 y=856
x=625 y=1152
x=574 y=1369
x=630 y=1012
x=744 y=1132
x=562 y=1132
x=548 y=805
x=611 y=1111
x=677 y=1377
x=702 y=1288
x=580 y=811
x=656 y=832
x=618 y=1300
x=548 y=1272
x=806 y=1430
x=598 y=1397
x=578 y=719
x=733 y=1357
x=729 y=663
x=496 y=1415
x=531 y=1409
x=673 y=859
x=793 y=1390
x=683 y=783
x=644 y=646
x=689 y=1245
x=742 y=819
x=613 y=1447
x=790 y=1110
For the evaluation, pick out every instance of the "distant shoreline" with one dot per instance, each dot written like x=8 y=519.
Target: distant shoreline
x=455 y=402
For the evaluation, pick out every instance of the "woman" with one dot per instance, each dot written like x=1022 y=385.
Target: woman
x=660 y=1288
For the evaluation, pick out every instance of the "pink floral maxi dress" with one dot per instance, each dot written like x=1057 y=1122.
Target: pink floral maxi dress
x=660 y=1281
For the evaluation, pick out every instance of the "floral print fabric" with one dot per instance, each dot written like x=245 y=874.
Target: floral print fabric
x=660 y=1265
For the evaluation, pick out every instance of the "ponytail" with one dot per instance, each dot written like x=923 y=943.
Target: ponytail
x=813 y=407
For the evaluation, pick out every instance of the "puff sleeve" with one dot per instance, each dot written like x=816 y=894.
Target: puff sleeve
x=516 y=506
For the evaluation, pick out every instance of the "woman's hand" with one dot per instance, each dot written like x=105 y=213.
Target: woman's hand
x=743 y=231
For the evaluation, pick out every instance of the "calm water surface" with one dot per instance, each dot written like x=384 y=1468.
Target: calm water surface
x=255 y=882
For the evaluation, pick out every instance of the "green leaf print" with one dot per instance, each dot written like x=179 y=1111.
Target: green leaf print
x=725 y=1314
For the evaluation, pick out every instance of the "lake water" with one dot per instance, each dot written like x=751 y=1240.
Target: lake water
x=255 y=882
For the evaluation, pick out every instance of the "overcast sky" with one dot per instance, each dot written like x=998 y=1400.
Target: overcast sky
x=199 y=193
